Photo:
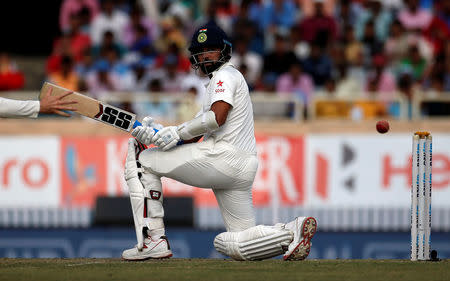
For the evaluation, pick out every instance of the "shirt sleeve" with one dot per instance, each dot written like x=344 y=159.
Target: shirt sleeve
x=18 y=108
x=223 y=88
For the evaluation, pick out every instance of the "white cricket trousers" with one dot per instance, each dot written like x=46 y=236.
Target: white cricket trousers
x=227 y=170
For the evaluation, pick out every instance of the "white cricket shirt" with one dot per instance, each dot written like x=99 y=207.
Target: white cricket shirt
x=18 y=108
x=228 y=84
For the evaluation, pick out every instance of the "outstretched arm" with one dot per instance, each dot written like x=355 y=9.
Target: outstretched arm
x=30 y=108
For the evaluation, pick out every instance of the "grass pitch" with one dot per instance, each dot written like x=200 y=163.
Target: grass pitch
x=217 y=269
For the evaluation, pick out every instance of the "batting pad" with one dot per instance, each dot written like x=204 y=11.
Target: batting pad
x=136 y=191
x=256 y=243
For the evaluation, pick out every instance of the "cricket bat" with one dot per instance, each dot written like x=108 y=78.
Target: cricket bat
x=95 y=109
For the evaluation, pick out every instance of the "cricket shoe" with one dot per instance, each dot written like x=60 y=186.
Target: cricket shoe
x=153 y=249
x=304 y=230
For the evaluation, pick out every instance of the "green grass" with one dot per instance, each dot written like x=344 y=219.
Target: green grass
x=216 y=269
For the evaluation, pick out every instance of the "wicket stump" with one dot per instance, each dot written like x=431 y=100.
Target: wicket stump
x=421 y=196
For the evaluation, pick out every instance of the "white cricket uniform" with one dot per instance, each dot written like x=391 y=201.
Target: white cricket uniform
x=225 y=161
x=18 y=108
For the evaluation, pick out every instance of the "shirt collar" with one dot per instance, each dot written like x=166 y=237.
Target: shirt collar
x=215 y=71
x=222 y=66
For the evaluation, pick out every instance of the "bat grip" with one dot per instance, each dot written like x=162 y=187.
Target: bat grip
x=137 y=124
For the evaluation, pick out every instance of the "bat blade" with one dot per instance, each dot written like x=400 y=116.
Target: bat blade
x=95 y=109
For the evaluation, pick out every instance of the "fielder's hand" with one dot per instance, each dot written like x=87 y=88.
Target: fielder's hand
x=55 y=104
x=145 y=133
x=167 y=138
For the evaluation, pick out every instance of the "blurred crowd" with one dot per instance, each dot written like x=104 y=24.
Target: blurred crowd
x=300 y=48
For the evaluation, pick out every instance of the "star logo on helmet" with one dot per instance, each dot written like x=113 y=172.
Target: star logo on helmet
x=219 y=84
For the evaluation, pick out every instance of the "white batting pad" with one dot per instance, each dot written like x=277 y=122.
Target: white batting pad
x=256 y=243
x=136 y=191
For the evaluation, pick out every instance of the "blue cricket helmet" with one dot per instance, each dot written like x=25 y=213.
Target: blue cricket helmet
x=209 y=37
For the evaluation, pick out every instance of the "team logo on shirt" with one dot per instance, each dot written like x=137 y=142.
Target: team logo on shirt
x=219 y=84
x=202 y=37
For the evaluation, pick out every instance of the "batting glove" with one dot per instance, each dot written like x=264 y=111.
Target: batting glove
x=145 y=133
x=167 y=138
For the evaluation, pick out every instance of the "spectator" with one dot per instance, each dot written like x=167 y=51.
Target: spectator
x=436 y=87
x=85 y=65
x=100 y=80
x=170 y=34
x=122 y=74
x=141 y=39
x=382 y=18
x=412 y=17
x=318 y=65
x=253 y=61
x=295 y=83
x=371 y=44
x=300 y=48
x=183 y=65
x=71 y=43
x=10 y=76
x=318 y=28
x=331 y=107
x=108 y=42
x=158 y=108
x=353 y=47
x=191 y=80
x=243 y=69
x=79 y=41
x=393 y=5
x=346 y=16
x=447 y=68
x=138 y=22
x=413 y=63
x=437 y=32
x=267 y=83
x=60 y=49
x=189 y=107
x=329 y=6
x=171 y=79
x=280 y=58
x=396 y=45
x=349 y=86
x=328 y=90
x=124 y=6
x=439 y=71
x=66 y=77
x=381 y=80
x=81 y=7
x=225 y=11
x=443 y=11
x=276 y=16
x=108 y=19
x=141 y=76
x=244 y=26
x=186 y=12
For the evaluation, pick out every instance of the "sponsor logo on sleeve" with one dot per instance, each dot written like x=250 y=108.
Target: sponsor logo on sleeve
x=220 y=84
x=155 y=195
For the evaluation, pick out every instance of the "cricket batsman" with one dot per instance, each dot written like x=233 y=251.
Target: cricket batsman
x=224 y=161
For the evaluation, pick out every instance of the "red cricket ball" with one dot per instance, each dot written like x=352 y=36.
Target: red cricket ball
x=382 y=126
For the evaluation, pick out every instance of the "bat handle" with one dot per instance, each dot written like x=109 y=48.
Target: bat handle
x=137 y=123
